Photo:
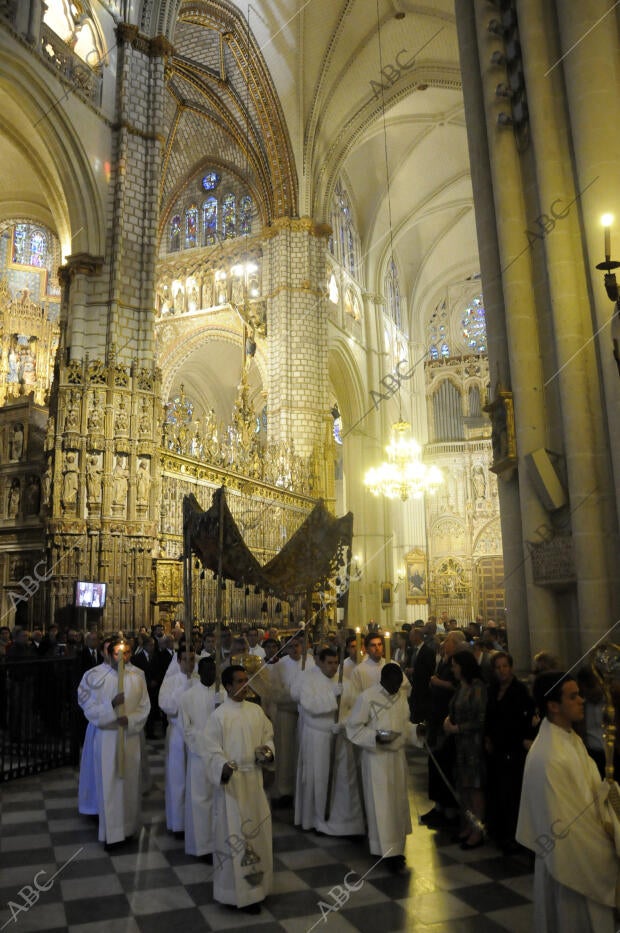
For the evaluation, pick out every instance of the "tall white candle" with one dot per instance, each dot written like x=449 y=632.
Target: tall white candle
x=387 y=643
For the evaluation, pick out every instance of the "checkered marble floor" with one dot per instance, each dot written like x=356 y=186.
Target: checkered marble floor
x=152 y=886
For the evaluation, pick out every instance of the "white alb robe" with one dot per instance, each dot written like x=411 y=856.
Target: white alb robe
x=368 y=674
x=317 y=705
x=87 y=790
x=384 y=767
x=118 y=799
x=195 y=707
x=284 y=697
x=170 y=693
x=242 y=858
x=577 y=869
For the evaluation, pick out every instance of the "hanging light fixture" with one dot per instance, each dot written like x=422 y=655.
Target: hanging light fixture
x=403 y=475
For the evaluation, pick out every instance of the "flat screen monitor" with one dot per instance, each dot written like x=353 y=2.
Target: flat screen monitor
x=90 y=595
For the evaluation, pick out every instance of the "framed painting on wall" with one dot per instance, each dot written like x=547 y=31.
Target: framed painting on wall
x=416 y=577
x=386 y=595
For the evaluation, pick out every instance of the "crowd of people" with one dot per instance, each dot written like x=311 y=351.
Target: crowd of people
x=290 y=726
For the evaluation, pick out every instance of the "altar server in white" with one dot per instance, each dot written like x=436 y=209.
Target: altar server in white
x=319 y=732
x=577 y=868
x=368 y=672
x=118 y=796
x=87 y=788
x=284 y=697
x=238 y=743
x=379 y=725
x=195 y=707
x=170 y=693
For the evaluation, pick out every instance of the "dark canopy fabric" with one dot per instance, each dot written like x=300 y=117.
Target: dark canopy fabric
x=310 y=557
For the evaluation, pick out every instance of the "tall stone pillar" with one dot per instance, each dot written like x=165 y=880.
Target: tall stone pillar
x=294 y=271
x=105 y=410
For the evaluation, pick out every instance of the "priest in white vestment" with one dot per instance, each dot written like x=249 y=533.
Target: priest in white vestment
x=172 y=689
x=87 y=789
x=284 y=697
x=319 y=732
x=368 y=672
x=238 y=743
x=118 y=797
x=576 y=869
x=379 y=725
x=195 y=707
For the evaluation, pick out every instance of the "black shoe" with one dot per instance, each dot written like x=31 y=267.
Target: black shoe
x=251 y=908
x=433 y=819
x=396 y=864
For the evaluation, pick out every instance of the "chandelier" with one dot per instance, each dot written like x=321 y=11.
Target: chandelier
x=403 y=475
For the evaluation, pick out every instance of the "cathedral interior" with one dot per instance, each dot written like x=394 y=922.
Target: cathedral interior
x=243 y=244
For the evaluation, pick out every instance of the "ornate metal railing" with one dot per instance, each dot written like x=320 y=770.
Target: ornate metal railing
x=40 y=721
x=85 y=80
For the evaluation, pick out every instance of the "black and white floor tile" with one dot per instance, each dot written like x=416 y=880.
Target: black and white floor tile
x=152 y=886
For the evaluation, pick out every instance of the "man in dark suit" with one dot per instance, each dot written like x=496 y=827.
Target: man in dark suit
x=90 y=655
x=420 y=667
x=149 y=660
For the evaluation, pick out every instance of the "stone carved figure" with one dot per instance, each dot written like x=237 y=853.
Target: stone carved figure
x=143 y=482
x=93 y=479
x=119 y=482
x=122 y=422
x=46 y=484
x=71 y=419
x=17 y=447
x=95 y=418
x=14 y=497
x=479 y=483
x=70 y=480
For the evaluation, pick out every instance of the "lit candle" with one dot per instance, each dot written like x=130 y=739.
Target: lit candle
x=120 y=742
x=358 y=646
x=387 y=643
x=607 y=220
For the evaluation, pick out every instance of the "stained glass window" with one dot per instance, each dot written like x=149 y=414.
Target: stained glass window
x=191 y=226
x=245 y=215
x=19 y=243
x=38 y=248
x=175 y=233
x=392 y=289
x=209 y=221
x=210 y=181
x=345 y=242
x=229 y=216
x=474 y=327
x=438 y=332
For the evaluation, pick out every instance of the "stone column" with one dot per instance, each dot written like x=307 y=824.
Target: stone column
x=293 y=283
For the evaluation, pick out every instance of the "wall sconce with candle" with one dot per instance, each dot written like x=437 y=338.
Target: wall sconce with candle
x=611 y=286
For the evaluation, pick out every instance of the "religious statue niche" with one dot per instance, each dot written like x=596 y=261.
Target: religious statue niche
x=501 y=412
x=120 y=485
x=32 y=495
x=95 y=417
x=70 y=481
x=143 y=483
x=93 y=479
x=17 y=442
x=14 y=497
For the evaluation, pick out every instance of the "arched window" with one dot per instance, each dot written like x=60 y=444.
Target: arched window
x=175 y=233
x=345 y=241
x=209 y=221
x=229 y=216
x=392 y=291
x=30 y=245
x=245 y=215
x=474 y=327
x=438 y=332
x=191 y=226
